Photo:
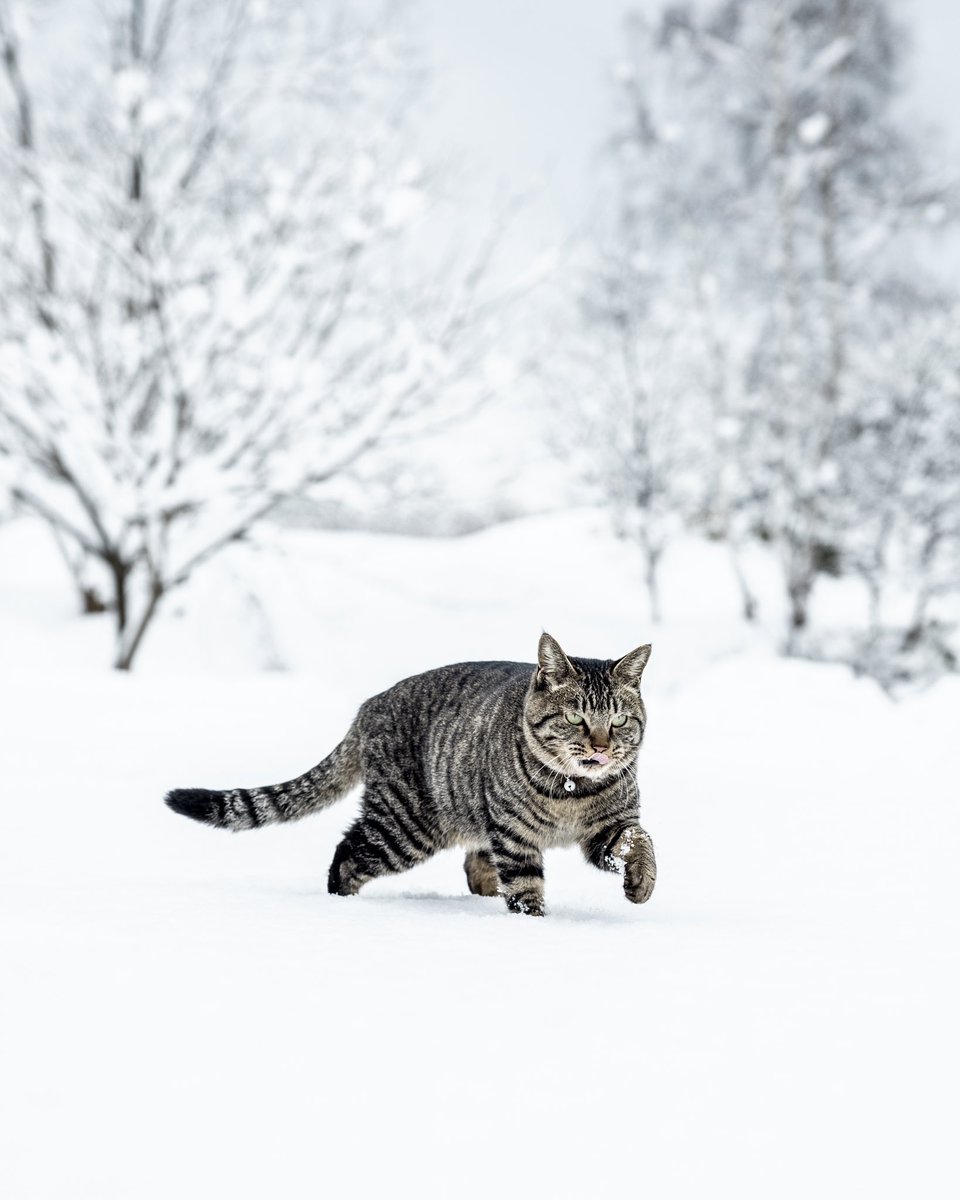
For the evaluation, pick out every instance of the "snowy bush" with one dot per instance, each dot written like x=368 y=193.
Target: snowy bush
x=207 y=304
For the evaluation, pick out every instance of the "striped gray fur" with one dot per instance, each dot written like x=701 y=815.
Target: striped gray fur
x=477 y=755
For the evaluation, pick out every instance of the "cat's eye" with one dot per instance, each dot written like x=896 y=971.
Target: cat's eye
x=618 y=720
x=574 y=718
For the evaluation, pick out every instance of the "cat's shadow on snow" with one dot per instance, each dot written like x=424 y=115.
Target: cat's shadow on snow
x=444 y=904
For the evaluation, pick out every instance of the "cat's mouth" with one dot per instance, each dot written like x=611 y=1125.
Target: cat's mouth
x=596 y=763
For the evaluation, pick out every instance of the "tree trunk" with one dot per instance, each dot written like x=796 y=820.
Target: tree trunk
x=799 y=598
x=129 y=636
x=799 y=588
x=652 y=579
x=747 y=598
x=127 y=647
x=875 y=599
x=120 y=577
x=78 y=563
x=801 y=576
x=91 y=602
x=918 y=619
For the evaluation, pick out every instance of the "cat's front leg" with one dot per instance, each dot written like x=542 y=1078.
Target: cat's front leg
x=519 y=868
x=627 y=850
x=640 y=865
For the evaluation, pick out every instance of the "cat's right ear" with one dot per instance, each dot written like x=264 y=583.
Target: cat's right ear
x=553 y=665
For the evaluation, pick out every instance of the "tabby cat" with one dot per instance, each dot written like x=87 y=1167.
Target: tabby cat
x=504 y=759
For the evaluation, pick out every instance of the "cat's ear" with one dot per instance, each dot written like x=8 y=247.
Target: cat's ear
x=554 y=665
x=629 y=668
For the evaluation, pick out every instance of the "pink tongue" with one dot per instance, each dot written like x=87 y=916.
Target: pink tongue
x=599 y=758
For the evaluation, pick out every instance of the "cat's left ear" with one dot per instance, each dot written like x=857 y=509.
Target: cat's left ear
x=629 y=668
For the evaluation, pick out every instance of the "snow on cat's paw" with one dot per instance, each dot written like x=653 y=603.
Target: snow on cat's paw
x=530 y=906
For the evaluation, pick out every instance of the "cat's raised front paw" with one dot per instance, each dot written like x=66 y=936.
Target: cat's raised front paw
x=640 y=891
x=640 y=871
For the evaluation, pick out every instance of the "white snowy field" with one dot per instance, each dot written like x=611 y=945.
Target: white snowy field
x=187 y=1013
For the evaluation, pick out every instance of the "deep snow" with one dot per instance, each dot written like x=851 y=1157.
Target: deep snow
x=186 y=1013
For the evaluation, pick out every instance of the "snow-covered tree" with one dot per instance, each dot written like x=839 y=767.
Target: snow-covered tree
x=831 y=179
x=207 y=303
x=902 y=527
x=639 y=410
x=664 y=341
x=767 y=184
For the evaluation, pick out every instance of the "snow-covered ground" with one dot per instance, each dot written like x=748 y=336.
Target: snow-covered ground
x=186 y=1013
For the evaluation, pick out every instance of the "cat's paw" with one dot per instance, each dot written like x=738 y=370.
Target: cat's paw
x=640 y=871
x=530 y=906
x=640 y=891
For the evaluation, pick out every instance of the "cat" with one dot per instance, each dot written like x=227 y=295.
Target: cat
x=503 y=759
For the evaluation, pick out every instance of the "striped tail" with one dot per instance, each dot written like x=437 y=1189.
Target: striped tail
x=250 y=808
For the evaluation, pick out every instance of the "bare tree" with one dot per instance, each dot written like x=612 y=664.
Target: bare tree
x=638 y=408
x=209 y=310
x=766 y=182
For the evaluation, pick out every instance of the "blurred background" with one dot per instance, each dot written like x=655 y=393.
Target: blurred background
x=423 y=268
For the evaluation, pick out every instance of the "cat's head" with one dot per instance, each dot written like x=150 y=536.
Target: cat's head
x=584 y=716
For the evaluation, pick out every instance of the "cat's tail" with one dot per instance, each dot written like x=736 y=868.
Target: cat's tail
x=248 y=808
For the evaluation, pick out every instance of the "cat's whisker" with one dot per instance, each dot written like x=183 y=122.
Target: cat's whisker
x=544 y=767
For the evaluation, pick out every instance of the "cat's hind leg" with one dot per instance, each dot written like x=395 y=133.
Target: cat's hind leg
x=519 y=868
x=481 y=873
x=381 y=841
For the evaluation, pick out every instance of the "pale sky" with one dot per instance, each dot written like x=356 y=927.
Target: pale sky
x=522 y=89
